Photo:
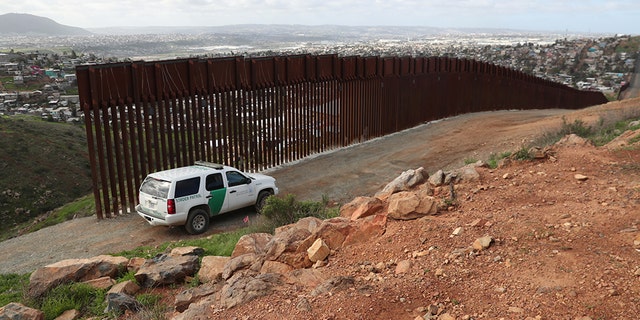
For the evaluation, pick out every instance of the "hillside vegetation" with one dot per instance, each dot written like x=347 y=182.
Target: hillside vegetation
x=43 y=165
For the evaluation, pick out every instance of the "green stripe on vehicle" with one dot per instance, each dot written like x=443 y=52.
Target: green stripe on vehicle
x=216 y=200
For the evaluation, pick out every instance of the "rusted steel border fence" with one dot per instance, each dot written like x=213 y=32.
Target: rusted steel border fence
x=257 y=113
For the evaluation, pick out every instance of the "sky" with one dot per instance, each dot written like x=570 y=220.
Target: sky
x=585 y=16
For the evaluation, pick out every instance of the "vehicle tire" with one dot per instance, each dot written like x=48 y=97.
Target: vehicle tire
x=262 y=198
x=198 y=221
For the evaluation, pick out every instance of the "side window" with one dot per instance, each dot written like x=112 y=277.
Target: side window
x=235 y=178
x=187 y=187
x=214 y=182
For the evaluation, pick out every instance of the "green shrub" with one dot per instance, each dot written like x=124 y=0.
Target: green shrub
x=12 y=287
x=79 y=296
x=495 y=158
x=148 y=300
x=286 y=210
x=522 y=154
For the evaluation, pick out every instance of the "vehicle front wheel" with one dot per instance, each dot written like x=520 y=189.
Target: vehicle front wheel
x=197 y=222
x=262 y=198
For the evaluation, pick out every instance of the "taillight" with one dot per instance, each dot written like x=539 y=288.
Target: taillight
x=171 y=206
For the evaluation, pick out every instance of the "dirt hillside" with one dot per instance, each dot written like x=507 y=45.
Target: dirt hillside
x=566 y=245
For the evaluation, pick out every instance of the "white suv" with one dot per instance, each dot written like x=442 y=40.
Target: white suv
x=190 y=195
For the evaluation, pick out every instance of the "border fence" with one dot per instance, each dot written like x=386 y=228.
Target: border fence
x=257 y=113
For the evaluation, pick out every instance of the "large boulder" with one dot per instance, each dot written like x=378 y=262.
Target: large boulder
x=243 y=262
x=211 y=268
x=408 y=205
x=406 y=181
x=366 y=229
x=118 y=302
x=74 y=270
x=251 y=243
x=166 y=270
x=361 y=207
x=287 y=247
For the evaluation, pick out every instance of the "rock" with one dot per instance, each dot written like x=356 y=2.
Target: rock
x=310 y=224
x=135 y=263
x=238 y=263
x=468 y=173
x=636 y=241
x=446 y=316
x=244 y=289
x=186 y=251
x=573 y=140
x=637 y=273
x=17 y=311
x=318 y=251
x=482 y=243
x=309 y=278
x=506 y=176
x=71 y=314
x=290 y=247
x=437 y=179
x=361 y=207
x=303 y=305
x=251 y=243
x=457 y=231
x=516 y=310
x=191 y=295
x=101 y=283
x=77 y=270
x=403 y=266
x=580 y=177
x=627 y=138
x=404 y=182
x=275 y=267
x=366 y=229
x=165 y=270
x=129 y=287
x=634 y=124
x=408 y=205
x=211 y=268
x=119 y=302
x=334 y=284
x=332 y=231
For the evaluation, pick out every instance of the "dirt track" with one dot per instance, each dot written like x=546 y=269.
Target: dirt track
x=341 y=175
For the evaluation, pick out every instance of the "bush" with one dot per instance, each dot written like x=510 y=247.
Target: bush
x=79 y=296
x=287 y=210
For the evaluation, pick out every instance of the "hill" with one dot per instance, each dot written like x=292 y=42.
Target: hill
x=43 y=165
x=27 y=24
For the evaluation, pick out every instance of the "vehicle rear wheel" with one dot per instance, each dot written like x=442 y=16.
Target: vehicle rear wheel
x=197 y=222
x=262 y=198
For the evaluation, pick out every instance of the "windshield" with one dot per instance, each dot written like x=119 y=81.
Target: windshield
x=155 y=187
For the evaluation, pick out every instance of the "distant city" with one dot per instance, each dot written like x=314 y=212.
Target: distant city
x=587 y=62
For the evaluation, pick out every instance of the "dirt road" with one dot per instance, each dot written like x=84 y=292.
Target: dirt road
x=340 y=175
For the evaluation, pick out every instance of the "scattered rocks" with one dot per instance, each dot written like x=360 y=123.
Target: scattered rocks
x=404 y=182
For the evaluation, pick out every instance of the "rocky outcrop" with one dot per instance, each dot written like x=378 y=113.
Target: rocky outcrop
x=262 y=262
x=73 y=270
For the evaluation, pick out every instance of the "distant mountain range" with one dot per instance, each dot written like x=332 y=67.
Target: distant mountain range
x=28 y=24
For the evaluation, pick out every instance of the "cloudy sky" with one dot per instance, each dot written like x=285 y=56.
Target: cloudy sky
x=617 y=16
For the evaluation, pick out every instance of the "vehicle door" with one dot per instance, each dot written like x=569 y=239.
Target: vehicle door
x=240 y=191
x=216 y=193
